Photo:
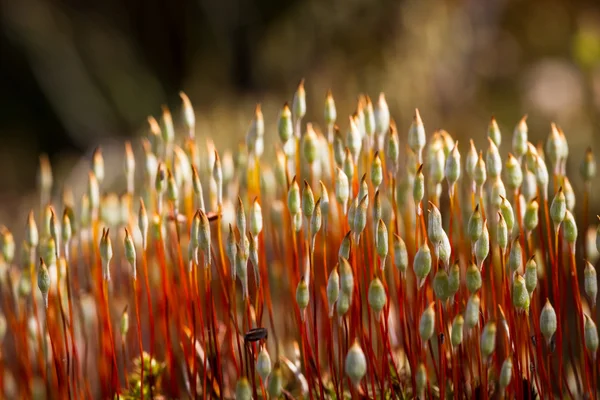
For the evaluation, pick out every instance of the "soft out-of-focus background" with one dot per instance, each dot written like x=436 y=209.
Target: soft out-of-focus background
x=77 y=73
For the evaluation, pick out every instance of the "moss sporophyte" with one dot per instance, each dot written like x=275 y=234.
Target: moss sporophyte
x=358 y=257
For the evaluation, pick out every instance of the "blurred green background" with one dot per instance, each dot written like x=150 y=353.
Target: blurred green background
x=74 y=74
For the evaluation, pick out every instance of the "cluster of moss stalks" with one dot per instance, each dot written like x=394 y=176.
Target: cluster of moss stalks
x=363 y=264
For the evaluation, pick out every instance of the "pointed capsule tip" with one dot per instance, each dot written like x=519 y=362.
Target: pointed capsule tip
x=418 y=120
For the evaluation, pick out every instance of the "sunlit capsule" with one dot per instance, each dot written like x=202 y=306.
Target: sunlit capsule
x=45 y=178
x=435 y=229
x=8 y=245
x=475 y=225
x=381 y=242
x=342 y=188
x=293 y=199
x=217 y=175
x=243 y=390
x=569 y=228
x=569 y=194
x=369 y=118
x=308 y=200
x=501 y=232
x=316 y=221
x=519 y=141
x=497 y=192
x=515 y=257
x=531 y=277
x=488 y=339
x=520 y=295
x=363 y=189
x=299 y=102
x=436 y=167
x=285 y=127
x=256 y=132
x=130 y=255
x=143 y=224
x=377 y=297
x=590 y=283
x=263 y=364
x=382 y=116
x=427 y=323
x=548 y=321
x=355 y=364
x=241 y=266
x=452 y=168
x=124 y=324
x=31 y=233
x=513 y=173
x=471 y=161
x=591 y=336
x=506 y=372
x=354 y=140
x=493 y=162
x=204 y=238
x=473 y=278
x=482 y=246
x=441 y=285
x=330 y=112
x=444 y=250
x=588 y=166
x=93 y=194
x=172 y=190
x=106 y=254
x=297 y=222
x=480 y=172
x=472 y=311
x=422 y=264
x=554 y=146
x=360 y=217
x=419 y=187
x=493 y=132
x=400 y=255
x=421 y=380
x=376 y=170
x=343 y=304
x=448 y=142
x=531 y=218
x=346 y=277
x=309 y=144
x=456 y=336
x=275 y=386
x=377 y=211
x=416 y=136
x=454 y=279
x=558 y=208
x=67 y=230
x=43 y=280
x=333 y=290
x=352 y=213
x=541 y=176
x=302 y=296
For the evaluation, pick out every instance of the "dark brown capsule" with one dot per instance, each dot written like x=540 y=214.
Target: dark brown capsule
x=256 y=334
